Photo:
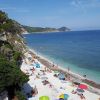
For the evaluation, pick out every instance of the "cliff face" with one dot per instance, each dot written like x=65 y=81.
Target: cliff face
x=11 y=41
x=12 y=47
x=10 y=32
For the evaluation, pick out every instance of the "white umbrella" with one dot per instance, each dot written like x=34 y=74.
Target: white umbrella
x=31 y=66
x=44 y=78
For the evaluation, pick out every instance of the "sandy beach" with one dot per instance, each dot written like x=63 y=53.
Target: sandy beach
x=77 y=77
x=54 y=87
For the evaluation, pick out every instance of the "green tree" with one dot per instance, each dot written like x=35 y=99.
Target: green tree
x=11 y=77
x=3 y=16
x=20 y=96
x=9 y=25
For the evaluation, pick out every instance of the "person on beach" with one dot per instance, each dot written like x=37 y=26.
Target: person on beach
x=33 y=69
x=82 y=97
x=84 y=76
x=53 y=65
x=68 y=69
x=73 y=92
x=45 y=68
x=50 y=85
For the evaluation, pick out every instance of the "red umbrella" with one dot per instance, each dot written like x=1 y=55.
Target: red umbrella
x=82 y=86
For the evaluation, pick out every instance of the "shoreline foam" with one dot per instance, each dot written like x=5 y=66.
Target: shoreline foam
x=77 y=77
x=56 y=64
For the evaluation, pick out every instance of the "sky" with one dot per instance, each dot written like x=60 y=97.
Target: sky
x=74 y=14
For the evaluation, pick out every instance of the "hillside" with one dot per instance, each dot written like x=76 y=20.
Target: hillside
x=12 y=47
x=47 y=29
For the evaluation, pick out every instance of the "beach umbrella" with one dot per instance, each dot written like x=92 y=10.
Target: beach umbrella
x=61 y=76
x=44 y=98
x=44 y=78
x=79 y=91
x=37 y=65
x=64 y=96
x=83 y=86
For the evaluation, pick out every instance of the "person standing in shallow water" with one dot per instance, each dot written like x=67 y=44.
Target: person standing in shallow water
x=53 y=65
x=68 y=69
x=84 y=76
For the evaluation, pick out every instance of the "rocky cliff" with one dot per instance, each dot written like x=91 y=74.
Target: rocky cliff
x=12 y=48
x=10 y=31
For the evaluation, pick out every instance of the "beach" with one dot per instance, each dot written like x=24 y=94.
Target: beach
x=77 y=50
x=49 y=64
x=55 y=86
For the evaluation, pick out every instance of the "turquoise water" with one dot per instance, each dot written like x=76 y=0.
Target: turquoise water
x=79 y=50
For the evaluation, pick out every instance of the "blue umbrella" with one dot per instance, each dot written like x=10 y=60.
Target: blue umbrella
x=37 y=65
x=61 y=76
x=63 y=97
x=66 y=96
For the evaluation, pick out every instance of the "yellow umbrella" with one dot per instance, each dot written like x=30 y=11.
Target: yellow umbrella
x=61 y=96
x=64 y=96
x=44 y=98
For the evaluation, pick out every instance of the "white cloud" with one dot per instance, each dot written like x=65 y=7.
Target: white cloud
x=75 y=3
x=14 y=9
x=8 y=8
x=85 y=3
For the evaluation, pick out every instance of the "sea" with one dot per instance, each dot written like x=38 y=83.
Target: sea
x=77 y=50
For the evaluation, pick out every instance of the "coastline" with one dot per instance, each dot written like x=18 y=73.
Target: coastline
x=94 y=87
x=58 y=67
x=45 y=32
x=25 y=32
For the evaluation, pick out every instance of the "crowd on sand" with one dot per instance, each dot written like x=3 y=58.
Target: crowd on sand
x=47 y=84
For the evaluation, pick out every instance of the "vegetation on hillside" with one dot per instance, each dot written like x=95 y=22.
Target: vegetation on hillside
x=9 y=25
x=47 y=29
x=11 y=77
x=38 y=29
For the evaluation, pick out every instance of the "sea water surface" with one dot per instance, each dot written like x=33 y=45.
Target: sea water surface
x=78 y=50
